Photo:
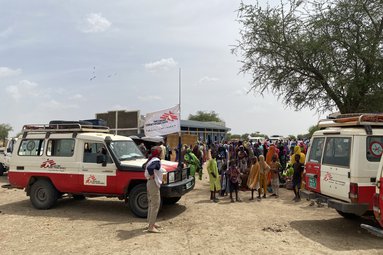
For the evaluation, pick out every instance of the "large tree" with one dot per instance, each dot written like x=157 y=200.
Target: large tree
x=320 y=54
x=205 y=116
x=4 y=132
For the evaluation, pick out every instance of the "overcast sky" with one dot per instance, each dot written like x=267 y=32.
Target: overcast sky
x=71 y=59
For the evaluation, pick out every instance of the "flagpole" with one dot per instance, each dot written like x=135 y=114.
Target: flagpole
x=179 y=132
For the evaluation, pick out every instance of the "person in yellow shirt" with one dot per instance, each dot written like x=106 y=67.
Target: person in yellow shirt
x=214 y=181
x=297 y=151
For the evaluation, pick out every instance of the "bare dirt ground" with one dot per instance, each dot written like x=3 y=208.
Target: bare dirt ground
x=193 y=226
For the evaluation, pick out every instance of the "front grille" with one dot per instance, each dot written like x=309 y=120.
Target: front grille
x=180 y=174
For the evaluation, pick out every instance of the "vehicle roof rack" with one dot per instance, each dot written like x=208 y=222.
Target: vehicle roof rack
x=352 y=120
x=64 y=127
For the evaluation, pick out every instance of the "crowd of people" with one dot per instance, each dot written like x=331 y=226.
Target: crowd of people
x=232 y=166
x=255 y=167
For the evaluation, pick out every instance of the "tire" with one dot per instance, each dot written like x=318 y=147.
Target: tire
x=2 y=169
x=170 y=200
x=43 y=194
x=138 y=201
x=349 y=216
x=78 y=197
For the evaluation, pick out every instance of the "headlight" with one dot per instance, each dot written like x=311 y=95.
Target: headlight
x=164 y=178
x=171 y=177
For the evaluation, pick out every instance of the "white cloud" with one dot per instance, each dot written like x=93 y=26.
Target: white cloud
x=207 y=79
x=149 y=98
x=24 y=88
x=161 y=65
x=5 y=71
x=94 y=23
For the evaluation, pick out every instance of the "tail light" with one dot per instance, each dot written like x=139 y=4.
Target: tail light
x=353 y=195
x=376 y=206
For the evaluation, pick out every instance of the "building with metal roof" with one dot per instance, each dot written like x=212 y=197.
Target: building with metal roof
x=205 y=131
x=130 y=123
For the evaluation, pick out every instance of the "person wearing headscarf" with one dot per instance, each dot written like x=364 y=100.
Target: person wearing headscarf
x=153 y=174
x=242 y=157
x=297 y=151
x=253 y=180
x=214 y=181
x=275 y=166
x=264 y=169
x=269 y=157
x=193 y=163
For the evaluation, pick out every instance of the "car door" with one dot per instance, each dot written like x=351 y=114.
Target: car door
x=96 y=177
x=335 y=181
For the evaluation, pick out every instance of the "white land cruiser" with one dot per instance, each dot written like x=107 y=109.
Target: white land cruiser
x=53 y=159
x=342 y=163
x=6 y=156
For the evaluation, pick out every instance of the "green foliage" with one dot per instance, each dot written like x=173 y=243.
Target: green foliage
x=205 y=116
x=312 y=129
x=4 y=131
x=257 y=134
x=235 y=136
x=320 y=54
x=292 y=137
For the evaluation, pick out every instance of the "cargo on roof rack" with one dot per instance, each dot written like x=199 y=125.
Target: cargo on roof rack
x=350 y=120
x=59 y=126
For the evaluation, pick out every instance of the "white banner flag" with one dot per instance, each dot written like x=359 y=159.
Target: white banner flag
x=162 y=122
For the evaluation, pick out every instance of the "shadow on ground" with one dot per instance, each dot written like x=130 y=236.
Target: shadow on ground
x=339 y=234
x=113 y=211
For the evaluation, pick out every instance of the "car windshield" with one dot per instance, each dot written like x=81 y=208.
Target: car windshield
x=126 y=150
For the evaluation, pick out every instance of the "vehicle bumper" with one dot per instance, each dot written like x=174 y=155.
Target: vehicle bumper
x=357 y=209
x=178 y=189
x=346 y=207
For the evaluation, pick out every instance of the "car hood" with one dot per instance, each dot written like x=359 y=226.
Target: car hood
x=165 y=164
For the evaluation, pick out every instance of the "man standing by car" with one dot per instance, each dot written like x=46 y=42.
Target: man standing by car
x=153 y=174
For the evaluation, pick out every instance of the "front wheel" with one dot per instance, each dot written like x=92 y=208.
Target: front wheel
x=349 y=216
x=138 y=201
x=43 y=194
x=2 y=169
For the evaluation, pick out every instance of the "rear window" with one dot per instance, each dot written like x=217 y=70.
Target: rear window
x=374 y=148
x=337 y=151
x=316 y=150
x=31 y=147
x=60 y=147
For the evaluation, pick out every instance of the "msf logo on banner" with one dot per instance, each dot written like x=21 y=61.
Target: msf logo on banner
x=170 y=116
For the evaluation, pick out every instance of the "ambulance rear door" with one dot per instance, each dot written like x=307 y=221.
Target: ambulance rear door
x=335 y=169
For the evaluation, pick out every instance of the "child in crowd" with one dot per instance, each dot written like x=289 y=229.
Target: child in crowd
x=212 y=169
x=253 y=180
x=225 y=186
x=233 y=175
x=263 y=171
x=274 y=169
x=297 y=177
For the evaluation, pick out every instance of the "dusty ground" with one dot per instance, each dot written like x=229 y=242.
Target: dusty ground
x=193 y=226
